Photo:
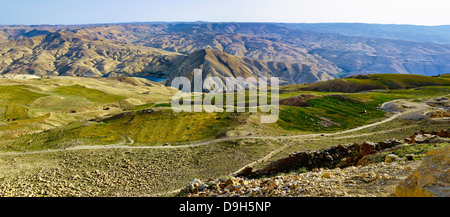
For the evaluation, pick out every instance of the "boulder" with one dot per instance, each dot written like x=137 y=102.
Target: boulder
x=364 y=161
x=410 y=156
x=342 y=149
x=444 y=133
x=430 y=179
x=390 y=143
x=390 y=158
x=246 y=172
x=367 y=148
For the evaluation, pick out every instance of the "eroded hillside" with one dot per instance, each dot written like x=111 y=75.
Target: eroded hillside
x=161 y=49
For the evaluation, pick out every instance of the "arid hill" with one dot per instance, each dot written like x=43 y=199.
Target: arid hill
x=220 y=64
x=69 y=53
x=80 y=53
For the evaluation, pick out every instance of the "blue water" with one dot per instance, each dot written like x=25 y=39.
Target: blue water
x=154 y=79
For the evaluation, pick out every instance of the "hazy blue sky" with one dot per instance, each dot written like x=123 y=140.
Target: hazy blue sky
x=420 y=12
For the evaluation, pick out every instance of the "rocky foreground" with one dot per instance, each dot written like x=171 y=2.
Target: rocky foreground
x=367 y=177
x=375 y=180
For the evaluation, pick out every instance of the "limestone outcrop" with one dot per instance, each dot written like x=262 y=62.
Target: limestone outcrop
x=430 y=179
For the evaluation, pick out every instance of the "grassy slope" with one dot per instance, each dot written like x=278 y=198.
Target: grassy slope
x=370 y=82
x=399 y=81
x=17 y=100
x=159 y=127
x=344 y=110
x=163 y=126
x=347 y=112
x=34 y=105
x=93 y=95
x=331 y=112
x=14 y=101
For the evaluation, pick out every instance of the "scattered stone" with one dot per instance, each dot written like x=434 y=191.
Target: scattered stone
x=202 y=187
x=372 y=180
x=389 y=144
x=192 y=186
x=229 y=187
x=368 y=178
x=407 y=140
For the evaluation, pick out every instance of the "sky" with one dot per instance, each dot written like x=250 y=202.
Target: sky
x=416 y=12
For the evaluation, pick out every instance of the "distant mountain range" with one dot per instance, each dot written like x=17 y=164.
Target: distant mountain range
x=297 y=53
x=433 y=34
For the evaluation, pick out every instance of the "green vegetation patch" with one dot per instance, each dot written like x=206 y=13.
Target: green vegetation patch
x=165 y=105
x=419 y=150
x=339 y=111
x=427 y=91
x=131 y=128
x=159 y=127
x=399 y=81
x=14 y=101
x=93 y=95
x=143 y=106
x=329 y=113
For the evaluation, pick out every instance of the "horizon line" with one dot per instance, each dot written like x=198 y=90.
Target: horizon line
x=272 y=22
